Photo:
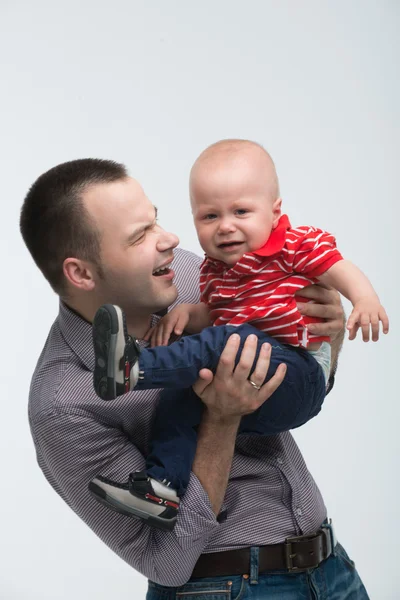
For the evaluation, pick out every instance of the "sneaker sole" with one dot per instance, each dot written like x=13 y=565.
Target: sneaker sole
x=101 y=496
x=109 y=339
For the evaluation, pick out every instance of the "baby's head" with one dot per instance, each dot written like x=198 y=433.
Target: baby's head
x=234 y=193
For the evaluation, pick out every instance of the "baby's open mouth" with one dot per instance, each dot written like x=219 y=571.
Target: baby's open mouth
x=230 y=244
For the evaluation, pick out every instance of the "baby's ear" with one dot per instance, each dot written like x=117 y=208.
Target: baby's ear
x=276 y=211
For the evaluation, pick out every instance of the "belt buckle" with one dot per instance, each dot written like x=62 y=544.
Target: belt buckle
x=289 y=555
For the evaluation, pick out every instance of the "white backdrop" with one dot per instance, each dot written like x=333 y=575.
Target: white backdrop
x=152 y=84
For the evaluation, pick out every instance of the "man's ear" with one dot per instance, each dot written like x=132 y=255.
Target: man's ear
x=79 y=273
x=277 y=212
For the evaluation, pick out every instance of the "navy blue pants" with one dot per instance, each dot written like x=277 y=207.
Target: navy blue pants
x=174 y=433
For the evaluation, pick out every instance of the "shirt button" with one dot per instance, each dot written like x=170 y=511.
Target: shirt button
x=299 y=511
x=279 y=461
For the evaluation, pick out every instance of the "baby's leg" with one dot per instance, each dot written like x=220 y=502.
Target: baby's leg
x=299 y=397
x=153 y=495
x=121 y=365
x=174 y=438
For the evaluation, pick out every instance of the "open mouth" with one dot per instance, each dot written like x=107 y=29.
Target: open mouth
x=230 y=245
x=161 y=271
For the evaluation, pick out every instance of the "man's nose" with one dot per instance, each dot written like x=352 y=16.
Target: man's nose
x=167 y=241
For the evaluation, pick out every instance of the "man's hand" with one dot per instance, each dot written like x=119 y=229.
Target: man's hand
x=228 y=395
x=326 y=305
x=367 y=313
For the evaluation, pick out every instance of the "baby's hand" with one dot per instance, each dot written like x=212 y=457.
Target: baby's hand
x=367 y=312
x=174 y=321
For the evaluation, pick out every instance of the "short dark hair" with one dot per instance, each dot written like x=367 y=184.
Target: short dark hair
x=54 y=222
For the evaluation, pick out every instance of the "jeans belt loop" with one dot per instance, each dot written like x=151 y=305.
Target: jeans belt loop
x=254 y=561
x=328 y=525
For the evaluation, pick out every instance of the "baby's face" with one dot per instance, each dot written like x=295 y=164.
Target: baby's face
x=233 y=210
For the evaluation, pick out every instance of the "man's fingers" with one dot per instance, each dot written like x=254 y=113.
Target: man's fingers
x=325 y=329
x=269 y=388
x=226 y=362
x=205 y=378
x=244 y=366
x=321 y=311
x=262 y=365
x=319 y=293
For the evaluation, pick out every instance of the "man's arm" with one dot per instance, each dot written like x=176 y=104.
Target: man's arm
x=212 y=462
x=326 y=306
x=228 y=396
x=73 y=448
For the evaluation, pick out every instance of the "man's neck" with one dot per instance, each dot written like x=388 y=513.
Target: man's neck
x=86 y=310
x=137 y=324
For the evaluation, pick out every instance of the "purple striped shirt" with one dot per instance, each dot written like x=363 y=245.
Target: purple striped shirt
x=270 y=495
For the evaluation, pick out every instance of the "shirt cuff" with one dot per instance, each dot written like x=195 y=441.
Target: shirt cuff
x=196 y=519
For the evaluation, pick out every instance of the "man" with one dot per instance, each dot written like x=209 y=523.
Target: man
x=94 y=235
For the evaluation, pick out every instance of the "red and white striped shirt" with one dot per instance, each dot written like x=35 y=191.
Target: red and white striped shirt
x=259 y=289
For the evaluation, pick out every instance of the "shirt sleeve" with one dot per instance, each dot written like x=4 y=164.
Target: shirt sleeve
x=315 y=252
x=187 y=275
x=72 y=449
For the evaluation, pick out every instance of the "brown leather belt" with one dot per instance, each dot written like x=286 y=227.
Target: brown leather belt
x=295 y=554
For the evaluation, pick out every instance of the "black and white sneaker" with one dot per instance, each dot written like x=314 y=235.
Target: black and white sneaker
x=141 y=497
x=116 y=353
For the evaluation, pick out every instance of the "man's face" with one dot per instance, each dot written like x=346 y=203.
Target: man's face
x=136 y=253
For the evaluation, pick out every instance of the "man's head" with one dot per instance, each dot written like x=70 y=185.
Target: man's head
x=93 y=233
x=234 y=193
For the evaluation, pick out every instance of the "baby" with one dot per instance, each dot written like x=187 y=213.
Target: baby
x=255 y=262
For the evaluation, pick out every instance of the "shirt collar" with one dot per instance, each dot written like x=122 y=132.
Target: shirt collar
x=276 y=240
x=77 y=332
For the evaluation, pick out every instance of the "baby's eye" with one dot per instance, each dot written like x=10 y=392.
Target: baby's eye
x=209 y=217
x=241 y=211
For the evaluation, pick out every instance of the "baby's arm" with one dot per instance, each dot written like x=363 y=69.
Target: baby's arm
x=184 y=317
x=356 y=287
x=199 y=317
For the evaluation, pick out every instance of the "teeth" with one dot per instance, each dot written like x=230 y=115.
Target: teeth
x=160 y=270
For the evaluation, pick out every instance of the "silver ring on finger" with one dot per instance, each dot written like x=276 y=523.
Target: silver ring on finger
x=254 y=384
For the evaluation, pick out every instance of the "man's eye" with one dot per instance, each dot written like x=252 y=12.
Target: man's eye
x=138 y=239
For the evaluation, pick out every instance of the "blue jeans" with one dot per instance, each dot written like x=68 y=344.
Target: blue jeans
x=174 y=434
x=335 y=579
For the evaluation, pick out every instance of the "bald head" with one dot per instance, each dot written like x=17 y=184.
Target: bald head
x=234 y=162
